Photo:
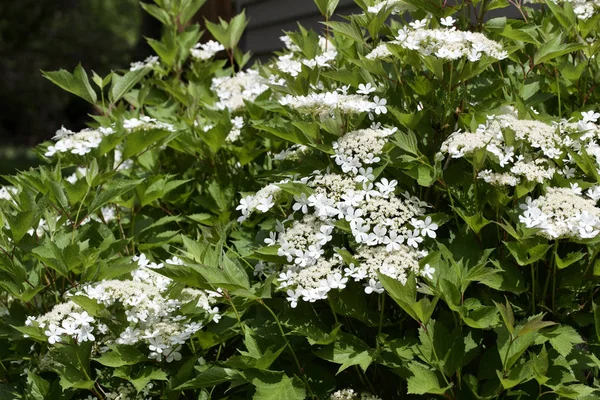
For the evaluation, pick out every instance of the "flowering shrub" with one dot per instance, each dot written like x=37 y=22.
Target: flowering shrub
x=402 y=207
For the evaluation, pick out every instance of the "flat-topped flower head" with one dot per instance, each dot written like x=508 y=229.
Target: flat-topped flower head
x=150 y=315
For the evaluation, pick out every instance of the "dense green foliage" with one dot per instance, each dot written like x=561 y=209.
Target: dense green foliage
x=392 y=210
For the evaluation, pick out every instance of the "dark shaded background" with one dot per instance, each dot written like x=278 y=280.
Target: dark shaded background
x=48 y=35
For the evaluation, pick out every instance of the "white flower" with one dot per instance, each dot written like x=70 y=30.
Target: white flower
x=414 y=239
x=448 y=21
x=380 y=107
x=594 y=193
x=82 y=319
x=324 y=236
x=155 y=344
x=365 y=89
x=590 y=116
x=85 y=334
x=428 y=271
x=393 y=241
x=265 y=204
x=386 y=187
x=336 y=281
x=533 y=217
x=369 y=191
x=54 y=334
x=427 y=227
x=293 y=297
x=301 y=203
x=418 y=24
x=575 y=188
x=365 y=175
x=360 y=231
x=272 y=239
x=374 y=286
x=173 y=354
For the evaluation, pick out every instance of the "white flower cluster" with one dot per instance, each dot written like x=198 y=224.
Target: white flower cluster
x=290 y=152
x=289 y=43
x=446 y=43
x=563 y=212
x=151 y=314
x=125 y=391
x=149 y=62
x=263 y=200
x=236 y=129
x=584 y=9
x=206 y=51
x=531 y=157
x=327 y=103
x=145 y=123
x=292 y=63
x=387 y=231
x=538 y=150
x=232 y=91
x=79 y=143
x=350 y=394
x=356 y=149
x=83 y=142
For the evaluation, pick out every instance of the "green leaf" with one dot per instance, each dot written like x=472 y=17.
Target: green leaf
x=284 y=389
x=90 y=305
x=141 y=378
x=596 y=310
x=121 y=85
x=189 y=9
x=563 y=338
x=237 y=25
x=404 y=295
x=527 y=252
x=72 y=364
x=139 y=141
x=553 y=48
x=156 y=12
x=327 y=7
x=211 y=377
x=76 y=83
x=111 y=192
x=534 y=325
x=570 y=259
x=348 y=350
x=424 y=381
x=348 y=30
x=21 y=222
x=476 y=222
x=37 y=387
x=215 y=137
x=119 y=356
x=508 y=317
x=540 y=364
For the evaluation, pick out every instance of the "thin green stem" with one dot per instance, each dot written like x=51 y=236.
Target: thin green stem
x=382 y=305
x=437 y=360
x=333 y=311
x=505 y=361
x=554 y=273
x=558 y=92
x=532 y=288
x=291 y=349
x=237 y=314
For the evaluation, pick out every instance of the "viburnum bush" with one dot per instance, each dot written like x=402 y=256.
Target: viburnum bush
x=401 y=206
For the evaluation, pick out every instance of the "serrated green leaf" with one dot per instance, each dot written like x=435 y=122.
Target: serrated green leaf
x=76 y=83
